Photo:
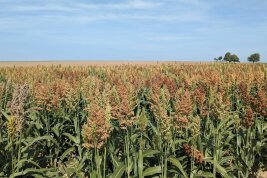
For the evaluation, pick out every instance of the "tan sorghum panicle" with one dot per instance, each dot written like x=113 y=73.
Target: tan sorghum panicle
x=16 y=107
x=184 y=104
x=219 y=106
x=195 y=128
x=159 y=106
x=200 y=97
x=43 y=96
x=13 y=126
x=71 y=97
x=98 y=127
x=91 y=87
x=114 y=102
x=142 y=120
x=123 y=101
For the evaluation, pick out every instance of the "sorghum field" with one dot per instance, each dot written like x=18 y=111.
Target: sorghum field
x=164 y=121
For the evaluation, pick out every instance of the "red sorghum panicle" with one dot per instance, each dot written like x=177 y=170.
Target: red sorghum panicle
x=244 y=93
x=193 y=153
x=123 y=101
x=180 y=122
x=259 y=103
x=248 y=118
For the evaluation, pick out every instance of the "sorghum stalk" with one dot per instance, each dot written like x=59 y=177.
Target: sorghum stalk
x=128 y=153
x=140 y=158
x=105 y=155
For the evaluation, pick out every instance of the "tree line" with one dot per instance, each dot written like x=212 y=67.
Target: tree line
x=228 y=57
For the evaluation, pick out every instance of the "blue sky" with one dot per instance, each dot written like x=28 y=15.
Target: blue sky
x=196 y=30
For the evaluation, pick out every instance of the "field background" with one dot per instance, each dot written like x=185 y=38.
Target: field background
x=145 y=120
x=90 y=63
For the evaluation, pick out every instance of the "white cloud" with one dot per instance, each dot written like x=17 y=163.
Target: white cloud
x=194 y=2
x=47 y=7
x=24 y=15
x=141 y=4
x=78 y=6
x=117 y=6
x=170 y=38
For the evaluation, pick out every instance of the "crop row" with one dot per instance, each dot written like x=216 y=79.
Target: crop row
x=205 y=120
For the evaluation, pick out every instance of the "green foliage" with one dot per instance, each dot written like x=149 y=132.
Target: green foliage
x=227 y=57
x=231 y=57
x=254 y=57
x=218 y=59
x=234 y=58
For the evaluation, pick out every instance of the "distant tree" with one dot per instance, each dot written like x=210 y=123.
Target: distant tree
x=254 y=57
x=227 y=57
x=218 y=59
x=231 y=57
x=234 y=58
